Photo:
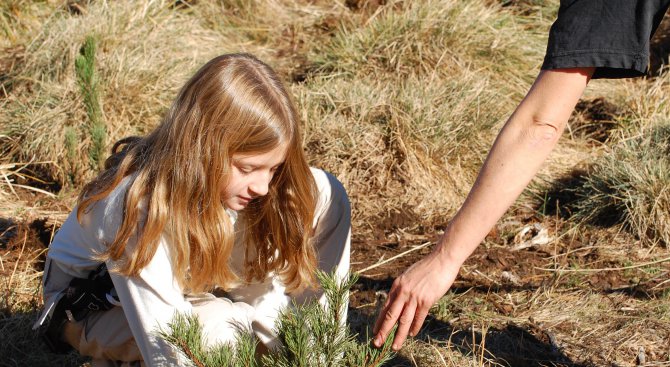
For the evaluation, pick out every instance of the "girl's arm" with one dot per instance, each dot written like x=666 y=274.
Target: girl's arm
x=332 y=233
x=150 y=301
x=521 y=147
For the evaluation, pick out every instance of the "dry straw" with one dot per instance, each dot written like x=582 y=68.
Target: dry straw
x=401 y=101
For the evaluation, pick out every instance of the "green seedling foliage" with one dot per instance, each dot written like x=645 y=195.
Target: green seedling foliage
x=185 y=333
x=316 y=336
x=368 y=356
x=88 y=85
x=310 y=334
x=246 y=350
x=71 y=144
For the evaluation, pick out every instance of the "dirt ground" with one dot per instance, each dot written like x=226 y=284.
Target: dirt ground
x=540 y=291
x=497 y=274
x=491 y=309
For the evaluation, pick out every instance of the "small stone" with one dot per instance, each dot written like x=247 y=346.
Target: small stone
x=641 y=356
x=510 y=278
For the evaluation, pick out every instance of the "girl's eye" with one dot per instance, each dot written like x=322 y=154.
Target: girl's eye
x=245 y=170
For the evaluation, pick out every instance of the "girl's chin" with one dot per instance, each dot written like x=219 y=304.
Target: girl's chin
x=236 y=205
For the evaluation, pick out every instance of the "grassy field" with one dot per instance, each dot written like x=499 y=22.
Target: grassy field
x=400 y=100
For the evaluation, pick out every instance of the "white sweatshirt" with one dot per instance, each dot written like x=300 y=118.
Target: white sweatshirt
x=151 y=299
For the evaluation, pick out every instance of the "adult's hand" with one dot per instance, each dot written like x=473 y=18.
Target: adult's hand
x=411 y=297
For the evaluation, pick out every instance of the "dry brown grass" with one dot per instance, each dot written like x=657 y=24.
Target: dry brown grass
x=625 y=180
x=404 y=103
x=400 y=99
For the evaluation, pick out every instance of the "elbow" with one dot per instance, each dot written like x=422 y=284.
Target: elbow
x=543 y=132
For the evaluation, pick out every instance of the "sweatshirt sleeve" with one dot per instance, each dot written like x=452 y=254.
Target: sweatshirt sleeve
x=150 y=299
x=332 y=224
x=332 y=234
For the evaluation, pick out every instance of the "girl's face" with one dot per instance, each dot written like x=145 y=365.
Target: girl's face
x=251 y=175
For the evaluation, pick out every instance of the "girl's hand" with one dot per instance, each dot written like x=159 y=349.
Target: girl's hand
x=411 y=297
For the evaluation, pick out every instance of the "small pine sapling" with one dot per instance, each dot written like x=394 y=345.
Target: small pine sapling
x=88 y=84
x=311 y=335
x=71 y=151
x=186 y=334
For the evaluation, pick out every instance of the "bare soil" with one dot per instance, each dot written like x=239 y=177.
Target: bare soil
x=495 y=306
x=486 y=312
x=495 y=275
x=593 y=120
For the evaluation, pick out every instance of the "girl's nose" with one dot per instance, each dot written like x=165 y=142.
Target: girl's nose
x=260 y=186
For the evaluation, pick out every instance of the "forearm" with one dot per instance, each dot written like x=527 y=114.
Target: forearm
x=517 y=154
x=150 y=301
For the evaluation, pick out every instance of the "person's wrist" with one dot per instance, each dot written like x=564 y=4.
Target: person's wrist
x=448 y=254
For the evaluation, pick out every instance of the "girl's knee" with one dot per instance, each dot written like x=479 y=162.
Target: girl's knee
x=333 y=198
x=104 y=335
x=332 y=224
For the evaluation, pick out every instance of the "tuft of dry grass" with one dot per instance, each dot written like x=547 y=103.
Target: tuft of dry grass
x=399 y=148
x=401 y=100
x=403 y=104
x=628 y=182
x=428 y=37
x=631 y=185
x=20 y=18
x=136 y=81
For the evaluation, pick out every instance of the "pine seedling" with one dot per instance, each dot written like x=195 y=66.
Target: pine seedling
x=241 y=354
x=366 y=355
x=88 y=84
x=316 y=336
x=245 y=350
x=186 y=334
x=311 y=335
x=71 y=144
x=333 y=332
x=337 y=295
x=355 y=354
x=297 y=343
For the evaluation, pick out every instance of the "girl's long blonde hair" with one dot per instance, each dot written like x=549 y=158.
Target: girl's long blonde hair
x=233 y=104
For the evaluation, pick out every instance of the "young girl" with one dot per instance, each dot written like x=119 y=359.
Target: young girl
x=218 y=195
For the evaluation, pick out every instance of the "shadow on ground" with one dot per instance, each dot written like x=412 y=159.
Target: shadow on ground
x=511 y=345
x=21 y=346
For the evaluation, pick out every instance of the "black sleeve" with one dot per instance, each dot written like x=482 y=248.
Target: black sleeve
x=610 y=35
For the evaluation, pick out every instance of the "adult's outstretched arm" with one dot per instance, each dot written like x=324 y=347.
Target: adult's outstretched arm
x=521 y=147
